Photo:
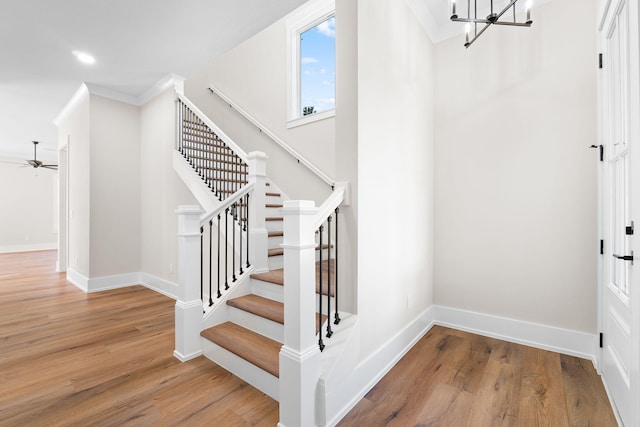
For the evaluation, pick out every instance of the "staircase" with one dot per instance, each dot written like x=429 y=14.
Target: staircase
x=254 y=332
x=247 y=328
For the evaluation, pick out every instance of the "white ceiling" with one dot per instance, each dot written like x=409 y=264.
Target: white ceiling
x=135 y=43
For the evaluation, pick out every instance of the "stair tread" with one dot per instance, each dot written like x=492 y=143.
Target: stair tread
x=266 y=308
x=252 y=347
x=277 y=277
x=273 y=205
x=275 y=252
x=273 y=194
x=276 y=233
x=272 y=218
x=263 y=307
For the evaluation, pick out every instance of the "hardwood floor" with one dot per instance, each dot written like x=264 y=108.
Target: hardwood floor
x=453 y=378
x=72 y=359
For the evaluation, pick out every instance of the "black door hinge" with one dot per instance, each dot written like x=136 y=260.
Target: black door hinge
x=601 y=247
x=629 y=229
x=601 y=149
x=601 y=340
x=600 y=65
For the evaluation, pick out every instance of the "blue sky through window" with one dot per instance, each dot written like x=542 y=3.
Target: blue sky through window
x=318 y=67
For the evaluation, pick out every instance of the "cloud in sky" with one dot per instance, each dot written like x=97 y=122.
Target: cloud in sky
x=328 y=27
x=309 y=60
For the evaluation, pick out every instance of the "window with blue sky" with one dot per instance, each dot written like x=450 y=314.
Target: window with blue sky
x=318 y=68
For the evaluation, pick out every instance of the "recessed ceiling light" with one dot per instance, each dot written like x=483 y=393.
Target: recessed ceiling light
x=83 y=57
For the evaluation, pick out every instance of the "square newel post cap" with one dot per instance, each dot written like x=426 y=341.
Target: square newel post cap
x=299 y=207
x=257 y=163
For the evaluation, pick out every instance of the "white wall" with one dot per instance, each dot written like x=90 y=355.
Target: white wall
x=73 y=129
x=395 y=170
x=27 y=212
x=254 y=75
x=515 y=184
x=115 y=187
x=161 y=189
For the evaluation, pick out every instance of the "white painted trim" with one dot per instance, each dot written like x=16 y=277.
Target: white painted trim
x=29 y=248
x=107 y=283
x=111 y=94
x=78 y=280
x=367 y=373
x=311 y=118
x=186 y=358
x=167 y=82
x=573 y=343
x=80 y=93
x=159 y=285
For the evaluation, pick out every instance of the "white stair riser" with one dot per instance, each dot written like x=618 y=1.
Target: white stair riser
x=267 y=290
x=275 y=242
x=255 y=376
x=274 y=225
x=260 y=325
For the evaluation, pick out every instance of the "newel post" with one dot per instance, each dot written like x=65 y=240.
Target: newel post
x=258 y=235
x=300 y=355
x=188 y=309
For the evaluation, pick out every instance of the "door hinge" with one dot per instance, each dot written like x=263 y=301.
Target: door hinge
x=601 y=247
x=629 y=229
x=601 y=149
x=600 y=65
x=601 y=340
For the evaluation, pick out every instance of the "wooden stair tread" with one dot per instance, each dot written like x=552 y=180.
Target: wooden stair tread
x=271 y=218
x=272 y=194
x=273 y=205
x=275 y=252
x=275 y=233
x=263 y=307
x=252 y=347
x=277 y=277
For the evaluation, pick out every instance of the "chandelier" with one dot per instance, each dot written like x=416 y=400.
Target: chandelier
x=492 y=19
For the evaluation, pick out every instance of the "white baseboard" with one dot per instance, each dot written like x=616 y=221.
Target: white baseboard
x=367 y=373
x=29 y=248
x=100 y=284
x=159 y=285
x=78 y=280
x=107 y=283
x=186 y=358
x=573 y=343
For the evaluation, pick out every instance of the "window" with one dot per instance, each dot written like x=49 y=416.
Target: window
x=312 y=63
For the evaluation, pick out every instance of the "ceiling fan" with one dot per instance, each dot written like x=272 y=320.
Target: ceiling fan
x=35 y=162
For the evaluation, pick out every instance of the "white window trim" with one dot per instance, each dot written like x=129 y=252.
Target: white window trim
x=307 y=16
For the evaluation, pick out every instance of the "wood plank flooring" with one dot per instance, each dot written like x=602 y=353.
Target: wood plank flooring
x=72 y=359
x=105 y=359
x=453 y=378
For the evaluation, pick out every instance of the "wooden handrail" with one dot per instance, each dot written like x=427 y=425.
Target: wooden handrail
x=301 y=159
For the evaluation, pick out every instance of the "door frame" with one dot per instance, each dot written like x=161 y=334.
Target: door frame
x=634 y=165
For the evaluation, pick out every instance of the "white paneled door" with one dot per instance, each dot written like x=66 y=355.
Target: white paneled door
x=619 y=200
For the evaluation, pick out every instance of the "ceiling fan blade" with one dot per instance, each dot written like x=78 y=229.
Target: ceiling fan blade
x=52 y=167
